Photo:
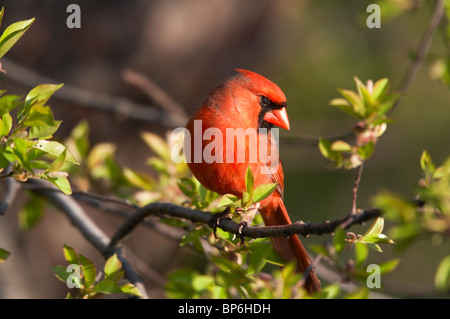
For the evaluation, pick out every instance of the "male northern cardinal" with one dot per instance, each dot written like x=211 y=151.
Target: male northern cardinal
x=246 y=100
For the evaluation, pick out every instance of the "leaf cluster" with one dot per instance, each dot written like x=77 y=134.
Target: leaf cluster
x=82 y=275
x=369 y=105
x=427 y=216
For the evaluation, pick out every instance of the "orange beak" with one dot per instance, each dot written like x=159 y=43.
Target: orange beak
x=278 y=117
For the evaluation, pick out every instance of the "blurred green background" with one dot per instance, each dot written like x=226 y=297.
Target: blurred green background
x=309 y=48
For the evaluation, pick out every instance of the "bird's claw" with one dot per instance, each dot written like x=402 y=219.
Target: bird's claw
x=239 y=234
x=216 y=218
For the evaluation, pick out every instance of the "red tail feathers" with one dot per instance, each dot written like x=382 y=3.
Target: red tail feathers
x=291 y=248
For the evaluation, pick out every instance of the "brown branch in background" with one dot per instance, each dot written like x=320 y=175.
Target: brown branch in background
x=117 y=106
x=156 y=94
x=422 y=50
x=12 y=187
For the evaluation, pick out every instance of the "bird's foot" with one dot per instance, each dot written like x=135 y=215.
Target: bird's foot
x=216 y=218
x=247 y=216
x=239 y=234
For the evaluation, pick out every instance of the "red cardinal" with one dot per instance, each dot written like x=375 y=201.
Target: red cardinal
x=246 y=100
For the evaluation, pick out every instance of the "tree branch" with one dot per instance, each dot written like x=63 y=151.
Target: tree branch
x=12 y=187
x=408 y=78
x=156 y=94
x=356 y=187
x=89 y=229
x=422 y=51
x=116 y=105
x=300 y=227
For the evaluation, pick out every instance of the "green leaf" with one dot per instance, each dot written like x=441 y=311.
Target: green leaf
x=8 y=103
x=376 y=228
x=41 y=122
x=78 y=142
x=31 y=213
x=262 y=252
x=228 y=200
x=442 y=276
x=6 y=156
x=202 y=282
x=328 y=152
x=331 y=291
x=374 y=235
x=366 y=150
x=89 y=271
x=206 y=195
x=193 y=235
x=2 y=12
x=70 y=255
x=263 y=191
x=38 y=96
x=131 y=289
x=188 y=186
x=396 y=208
x=356 y=102
x=139 y=180
x=113 y=268
x=341 y=146
x=4 y=254
x=20 y=148
x=158 y=164
x=361 y=253
x=61 y=273
x=380 y=88
x=12 y=34
x=339 y=239
x=344 y=106
x=249 y=182
x=7 y=123
x=364 y=92
x=245 y=199
x=55 y=149
x=389 y=266
x=387 y=104
x=180 y=284
x=360 y=293
x=61 y=182
x=426 y=163
x=157 y=144
x=107 y=286
x=58 y=163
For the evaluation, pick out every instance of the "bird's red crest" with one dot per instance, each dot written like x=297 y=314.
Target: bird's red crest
x=263 y=86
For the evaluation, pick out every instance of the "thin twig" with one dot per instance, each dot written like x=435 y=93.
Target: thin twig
x=408 y=78
x=422 y=51
x=155 y=93
x=356 y=187
x=310 y=268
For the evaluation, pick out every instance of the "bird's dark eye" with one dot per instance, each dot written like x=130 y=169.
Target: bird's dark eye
x=265 y=101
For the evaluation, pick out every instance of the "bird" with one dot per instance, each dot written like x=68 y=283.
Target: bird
x=248 y=102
